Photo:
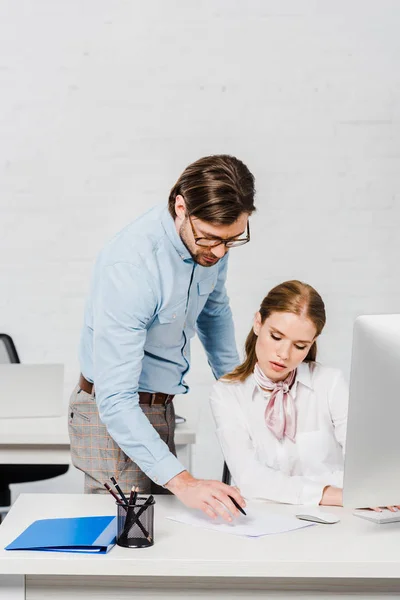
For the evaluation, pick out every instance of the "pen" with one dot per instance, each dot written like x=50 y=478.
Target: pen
x=237 y=505
x=120 y=492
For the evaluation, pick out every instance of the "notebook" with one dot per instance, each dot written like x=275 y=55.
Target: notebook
x=81 y=534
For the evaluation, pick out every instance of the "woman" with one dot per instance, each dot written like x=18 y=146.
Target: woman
x=281 y=416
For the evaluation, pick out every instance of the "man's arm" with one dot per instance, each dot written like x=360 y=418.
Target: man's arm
x=215 y=327
x=123 y=304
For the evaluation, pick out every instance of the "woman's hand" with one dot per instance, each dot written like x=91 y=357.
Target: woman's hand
x=332 y=496
x=391 y=508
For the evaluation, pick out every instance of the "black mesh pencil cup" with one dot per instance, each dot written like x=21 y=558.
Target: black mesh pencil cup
x=136 y=524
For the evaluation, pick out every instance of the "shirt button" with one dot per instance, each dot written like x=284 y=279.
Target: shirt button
x=174 y=316
x=155 y=479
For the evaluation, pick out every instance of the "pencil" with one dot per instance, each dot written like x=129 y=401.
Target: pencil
x=132 y=497
x=237 y=505
x=141 y=510
x=120 y=492
x=108 y=487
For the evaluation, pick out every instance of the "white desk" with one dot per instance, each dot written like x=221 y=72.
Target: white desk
x=46 y=441
x=353 y=556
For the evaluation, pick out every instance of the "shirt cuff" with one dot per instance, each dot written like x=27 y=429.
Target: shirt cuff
x=312 y=493
x=165 y=469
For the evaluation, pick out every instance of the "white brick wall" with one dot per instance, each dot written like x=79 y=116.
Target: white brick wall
x=104 y=103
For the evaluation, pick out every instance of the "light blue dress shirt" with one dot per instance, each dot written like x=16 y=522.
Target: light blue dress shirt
x=147 y=300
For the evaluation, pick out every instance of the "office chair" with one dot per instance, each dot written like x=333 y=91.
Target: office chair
x=226 y=475
x=20 y=473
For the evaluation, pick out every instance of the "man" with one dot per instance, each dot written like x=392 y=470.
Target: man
x=155 y=284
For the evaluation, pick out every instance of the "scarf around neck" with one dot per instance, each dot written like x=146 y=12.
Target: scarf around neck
x=280 y=413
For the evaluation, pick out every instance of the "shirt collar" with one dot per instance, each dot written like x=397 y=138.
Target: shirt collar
x=303 y=376
x=173 y=236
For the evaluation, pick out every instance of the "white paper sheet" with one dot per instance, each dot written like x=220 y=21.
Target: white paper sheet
x=257 y=522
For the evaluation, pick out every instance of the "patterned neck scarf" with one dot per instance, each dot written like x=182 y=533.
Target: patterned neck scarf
x=280 y=414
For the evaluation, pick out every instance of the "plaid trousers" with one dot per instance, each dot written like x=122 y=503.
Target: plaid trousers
x=94 y=451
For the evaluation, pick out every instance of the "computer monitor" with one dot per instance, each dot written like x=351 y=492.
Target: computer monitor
x=371 y=471
x=31 y=390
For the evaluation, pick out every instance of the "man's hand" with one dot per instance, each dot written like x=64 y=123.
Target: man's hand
x=212 y=497
x=332 y=496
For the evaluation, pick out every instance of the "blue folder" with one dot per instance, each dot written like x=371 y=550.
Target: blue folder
x=81 y=534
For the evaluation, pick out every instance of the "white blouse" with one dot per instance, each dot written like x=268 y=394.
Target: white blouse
x=283 y=471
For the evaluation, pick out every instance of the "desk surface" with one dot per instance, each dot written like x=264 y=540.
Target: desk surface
x=353 y=548
x=53 y=431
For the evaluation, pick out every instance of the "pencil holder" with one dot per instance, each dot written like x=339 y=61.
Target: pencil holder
x=135 y=528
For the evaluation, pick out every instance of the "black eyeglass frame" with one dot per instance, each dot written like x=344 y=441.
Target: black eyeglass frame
x=230 y=243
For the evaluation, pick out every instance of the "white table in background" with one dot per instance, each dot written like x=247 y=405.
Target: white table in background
x=46 y=441
x=351 y=557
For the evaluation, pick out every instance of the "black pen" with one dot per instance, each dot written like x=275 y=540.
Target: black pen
x=237 y=505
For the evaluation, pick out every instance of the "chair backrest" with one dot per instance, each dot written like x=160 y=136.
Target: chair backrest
x=8 y=351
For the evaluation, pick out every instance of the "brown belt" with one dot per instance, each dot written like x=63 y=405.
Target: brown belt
x=144 y=397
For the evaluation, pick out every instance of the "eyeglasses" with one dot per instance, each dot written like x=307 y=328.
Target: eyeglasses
x=213 y=243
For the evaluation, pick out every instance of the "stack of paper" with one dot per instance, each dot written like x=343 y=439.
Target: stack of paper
x=257 y=522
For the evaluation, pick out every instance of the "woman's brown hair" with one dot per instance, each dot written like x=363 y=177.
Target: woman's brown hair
x=293 y=297
x=216 y=189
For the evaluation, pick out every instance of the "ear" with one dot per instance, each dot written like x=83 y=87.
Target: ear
x=257 y=323
x=180 y=207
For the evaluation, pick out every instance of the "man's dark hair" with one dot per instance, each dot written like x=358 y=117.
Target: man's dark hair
x=216 y=189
